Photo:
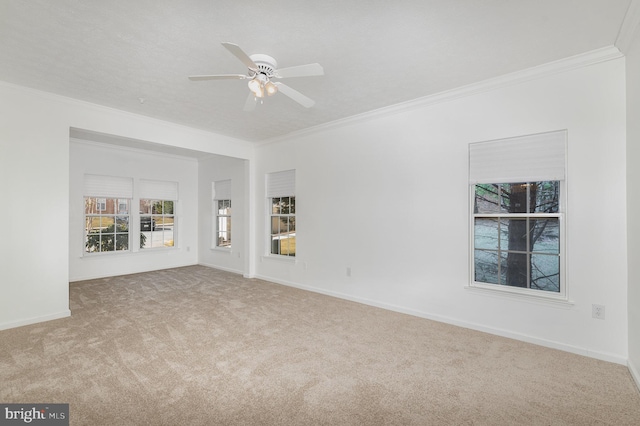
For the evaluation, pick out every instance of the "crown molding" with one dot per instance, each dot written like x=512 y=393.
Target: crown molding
x=629 y=27
x=122 y=148
x=563 y=65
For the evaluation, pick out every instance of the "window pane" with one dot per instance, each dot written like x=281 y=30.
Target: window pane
x=146 y=223
x=515 y=269
x=546 y=195
x=275 y=245
x=168 y=222
x=292 y=224
x=167 y=238
x=486 y=234
x=284 y=224
x=107 y=242
x=145 y=206
x=122 y=223
x=106 y=224
x=486 y=199
x=168 y=207
x=513 y=234
x=275 y=205
x=514 y=197
x=156 y=207
x=122 y=242
x=123 y=206
x=284 y=203
x=545 y=235
x=275 y=225
x=90 y=206
x=486 y=266
x=545 y=272
x=145 y=239
x=284 y=246
x=292 y=205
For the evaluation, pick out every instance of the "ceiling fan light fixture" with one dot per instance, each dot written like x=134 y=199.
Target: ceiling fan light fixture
x=270 y=88
x=256 y=87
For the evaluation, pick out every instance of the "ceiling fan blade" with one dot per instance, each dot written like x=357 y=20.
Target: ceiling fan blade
x=308 y=70
x=218 y=77
x=240 y=54
x=250 y=103
x=295 y=95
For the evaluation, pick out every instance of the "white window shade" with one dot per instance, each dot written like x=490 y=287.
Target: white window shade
x=108 y=186
x=529 y=158
x=222 y=190
x=158 y=190
x=281 y=184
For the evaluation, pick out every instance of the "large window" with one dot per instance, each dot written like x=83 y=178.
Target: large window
x=106 y=224
x=517 y=235
x=107 y=213
x=223 y=223
x=282 y=212
x=156 y=223
x=517 y=210
x=222 y=214
x=158 y=200
x=283 y=226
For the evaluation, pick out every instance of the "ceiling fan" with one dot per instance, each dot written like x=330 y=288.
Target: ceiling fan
x=262 y=69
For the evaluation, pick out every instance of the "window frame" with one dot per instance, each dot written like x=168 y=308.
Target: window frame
x=101 y=206
x=151 y=216
x=270 y=217
x=563 y=294
x=216 y=229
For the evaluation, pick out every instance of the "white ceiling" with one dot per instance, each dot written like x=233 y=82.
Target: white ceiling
x=375 y=53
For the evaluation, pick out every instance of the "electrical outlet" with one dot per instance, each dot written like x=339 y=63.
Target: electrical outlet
x=597 y=311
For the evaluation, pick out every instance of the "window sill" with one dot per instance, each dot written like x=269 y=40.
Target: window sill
x=278 y=258
x=222 y=250
x=104 y=255
x=520 y=294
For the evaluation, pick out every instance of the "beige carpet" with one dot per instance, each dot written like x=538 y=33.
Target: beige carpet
x=198 y=346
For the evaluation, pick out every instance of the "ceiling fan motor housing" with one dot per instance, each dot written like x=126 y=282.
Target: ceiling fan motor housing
x=266 y=64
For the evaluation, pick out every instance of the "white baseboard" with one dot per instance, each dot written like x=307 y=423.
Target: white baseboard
x=35 y=320
x=453 y=321
x=119 y=274
x=635 y=373
x=222 y=268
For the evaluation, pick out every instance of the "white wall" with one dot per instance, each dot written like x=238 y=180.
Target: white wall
x=388 y=197
x=34 y=168
x=633 y=200
x=213 y=169
x=91 y=158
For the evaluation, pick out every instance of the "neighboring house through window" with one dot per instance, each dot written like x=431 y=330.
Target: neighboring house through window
x=282 y=213
x=158 y=201
x=107 y=201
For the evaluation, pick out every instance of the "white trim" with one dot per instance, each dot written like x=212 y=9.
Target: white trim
x=132 y=149
x=137 y=271
x=279 y=258
x=629 y=26
x=219 y=249
x=222 y=268
x=604 y=356
x=541 y=71
x=28 y=321
x=635 y=373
